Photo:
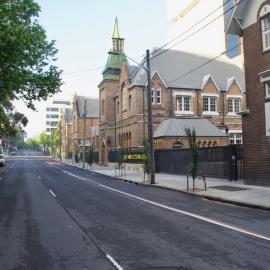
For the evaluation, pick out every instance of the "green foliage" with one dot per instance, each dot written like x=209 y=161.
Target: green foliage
x=146 y=157
x=120 y=157
x=26 y=61
x=192 y=140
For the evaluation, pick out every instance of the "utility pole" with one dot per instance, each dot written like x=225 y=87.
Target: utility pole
x=150 y=126
x=84 y=131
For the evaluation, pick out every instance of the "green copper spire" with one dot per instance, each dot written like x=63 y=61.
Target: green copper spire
x=116 y=30
x=116 y=55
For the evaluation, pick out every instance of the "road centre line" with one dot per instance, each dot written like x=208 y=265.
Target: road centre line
x=190 y=214
x=52 y=193
x=114 y=262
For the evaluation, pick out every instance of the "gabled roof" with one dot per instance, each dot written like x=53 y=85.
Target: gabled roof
x=206 y=78
x=175 y=127
x=92 y=106
x=230 y=82
x=173 y=64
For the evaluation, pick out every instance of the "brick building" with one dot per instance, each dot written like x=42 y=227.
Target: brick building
x=66 y=133
x=91 y=113
x=215 y=91
x=251 y=20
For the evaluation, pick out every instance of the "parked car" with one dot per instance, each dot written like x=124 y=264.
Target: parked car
x=2 y=160
x=13 y=152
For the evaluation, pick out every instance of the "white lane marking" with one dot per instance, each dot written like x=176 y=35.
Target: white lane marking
x=206 y=219
x=0 y=178
x=114 y=262
x=6 y=171
x=209 y=220
x=52 y=193
x=39 y=177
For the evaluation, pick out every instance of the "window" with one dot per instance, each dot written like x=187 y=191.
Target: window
x=236 y=138
x=209 y=104
x=54 y=116
x=54 y=109
x=54 y=124
x=118 y=107
x=114 y=45
x=156 y=95
x=266 y=32
x=129 y=102
x=233 y=105
x=267 y=89
x=103 y=107
x=183 y=103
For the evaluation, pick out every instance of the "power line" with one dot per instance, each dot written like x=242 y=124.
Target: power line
x=191 y=27
x=204 y=64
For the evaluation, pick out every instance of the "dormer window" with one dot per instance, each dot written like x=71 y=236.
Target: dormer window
x=156 y=95
x=265 y=20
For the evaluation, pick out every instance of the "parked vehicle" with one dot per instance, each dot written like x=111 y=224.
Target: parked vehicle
x=2 y=160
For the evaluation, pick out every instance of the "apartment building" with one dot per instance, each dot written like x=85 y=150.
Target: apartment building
x=251 y=21
x=200 y=26
x=52 y=114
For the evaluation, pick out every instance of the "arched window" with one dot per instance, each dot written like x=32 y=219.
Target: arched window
x=204 y=144
x=214 y=144
x=209 y=144
x=199 y=144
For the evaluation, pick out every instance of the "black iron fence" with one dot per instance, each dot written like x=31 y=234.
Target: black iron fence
x=221 y=162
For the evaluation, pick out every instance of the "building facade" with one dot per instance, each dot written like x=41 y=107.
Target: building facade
x=66 y=133
x=251 y=20
x=85 y=115
x=52 y=114
x=215 y=91
x=200 y=26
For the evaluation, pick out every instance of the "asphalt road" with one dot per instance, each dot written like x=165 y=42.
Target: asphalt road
x=54 y=216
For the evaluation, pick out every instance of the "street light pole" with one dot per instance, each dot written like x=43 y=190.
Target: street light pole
x=150 y=125
x=84 y=131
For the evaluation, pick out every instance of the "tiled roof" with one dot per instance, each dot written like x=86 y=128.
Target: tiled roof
x=173 y=64
x=175 y=127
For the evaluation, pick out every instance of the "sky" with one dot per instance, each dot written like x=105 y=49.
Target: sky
x=82 y=30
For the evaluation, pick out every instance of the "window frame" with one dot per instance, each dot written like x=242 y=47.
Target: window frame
x=156 y=95
x=265 y=33
x=232 y=107
x=235 y=138
x=208 y=105
x=180 y=99
x=267 y=89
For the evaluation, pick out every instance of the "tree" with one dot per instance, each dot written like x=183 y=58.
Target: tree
x=192 y=141
x=26 y=57
x=44 y=141
x=54 y=140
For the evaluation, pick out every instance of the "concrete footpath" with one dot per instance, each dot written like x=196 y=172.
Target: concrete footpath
x=235 y=192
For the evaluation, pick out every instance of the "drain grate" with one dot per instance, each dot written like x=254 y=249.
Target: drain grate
x=229 y=188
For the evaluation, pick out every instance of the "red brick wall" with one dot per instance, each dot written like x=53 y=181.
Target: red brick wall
x=256 y=143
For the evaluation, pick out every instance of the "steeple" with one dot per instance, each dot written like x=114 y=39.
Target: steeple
x=116 y=55
x=118 y=41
